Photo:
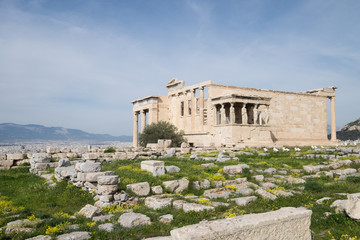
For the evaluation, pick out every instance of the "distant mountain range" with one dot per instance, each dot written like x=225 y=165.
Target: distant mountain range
x=350 y=131
x=10 y=132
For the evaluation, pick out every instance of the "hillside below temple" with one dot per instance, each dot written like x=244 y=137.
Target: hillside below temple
x=219 y=115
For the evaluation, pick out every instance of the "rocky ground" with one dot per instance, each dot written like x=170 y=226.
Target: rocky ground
x=164 y=188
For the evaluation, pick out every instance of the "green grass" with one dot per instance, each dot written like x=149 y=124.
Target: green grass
x=28 y=196
x=31 y=192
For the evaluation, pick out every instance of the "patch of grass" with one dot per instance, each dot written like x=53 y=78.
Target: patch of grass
x=31 y=192
x=313 y=185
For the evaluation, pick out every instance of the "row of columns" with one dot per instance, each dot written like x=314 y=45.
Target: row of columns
x=186 y=106
x=244 y=114
x=143 y=113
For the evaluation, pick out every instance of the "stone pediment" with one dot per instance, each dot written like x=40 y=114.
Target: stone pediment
x=175 y=84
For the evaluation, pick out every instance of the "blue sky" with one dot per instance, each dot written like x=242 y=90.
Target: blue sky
x=79 y=63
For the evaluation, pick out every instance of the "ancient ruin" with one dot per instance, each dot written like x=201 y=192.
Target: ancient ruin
x=219 y=115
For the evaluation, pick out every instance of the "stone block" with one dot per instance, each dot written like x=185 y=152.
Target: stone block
x=259 y=178
x=64 y=162
x=187 y=207
x=108 y=180
x=268 y=185
x=166 y=219
x=218 y=193
x=270 y=170
x=157 y=168
x=41 y=166
x=157 y=190
x=106 y=189
x=171 y=185
x=245 y=191
x=88 y=167
x=312 y=168
x=183 y=185
x=106 y=198
x=108 y=227
x=352 y=206
x=178 y=204
x=177 y=186
x=90 y=156
x=172 y=169
x=93 y=176
x=89 y=211
x=169 y=153
x=15 y=156
x=157 y=202
x=167 y=143
x=90 y=186
x=72 y=155
x=285 y=223
x=2 y=156
x=284 y=193
x=65 y=172
x=102 y=218
x=52 y=150
x=6 y=164
x=59 y=155
x=40 y=237
x=140 y=189
x=40 y=160
x=120 y=156
x=204 y=184
x=339 y=205
x=74 y=235
x=207 y=165
x=129 y=220
x=233 y=169
x=81 y=177
x=265 y=194
x=243 y=201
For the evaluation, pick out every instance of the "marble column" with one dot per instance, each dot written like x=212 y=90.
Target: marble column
x=255 y=113
x=193 y=109
x=143 y=120
x=223 y=114
x=177 y=100
x=333 y=119
x=232 y=113
x=216 y=116
x=135 y=129
x=244 y=117
x=201 y=108
x=186 y=110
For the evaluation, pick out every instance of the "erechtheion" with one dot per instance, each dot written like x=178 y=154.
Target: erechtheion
x=219 y=115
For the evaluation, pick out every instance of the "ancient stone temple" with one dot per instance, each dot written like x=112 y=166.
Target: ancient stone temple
x=219 y=115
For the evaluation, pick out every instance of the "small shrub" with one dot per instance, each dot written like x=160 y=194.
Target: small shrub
x=161 y=130
x=110 y=150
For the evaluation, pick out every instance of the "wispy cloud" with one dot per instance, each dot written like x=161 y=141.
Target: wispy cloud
x=75 y=67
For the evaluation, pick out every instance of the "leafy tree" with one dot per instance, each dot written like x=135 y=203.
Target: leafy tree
x=161 y=130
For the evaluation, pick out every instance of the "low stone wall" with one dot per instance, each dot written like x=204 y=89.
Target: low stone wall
x=285 y=223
